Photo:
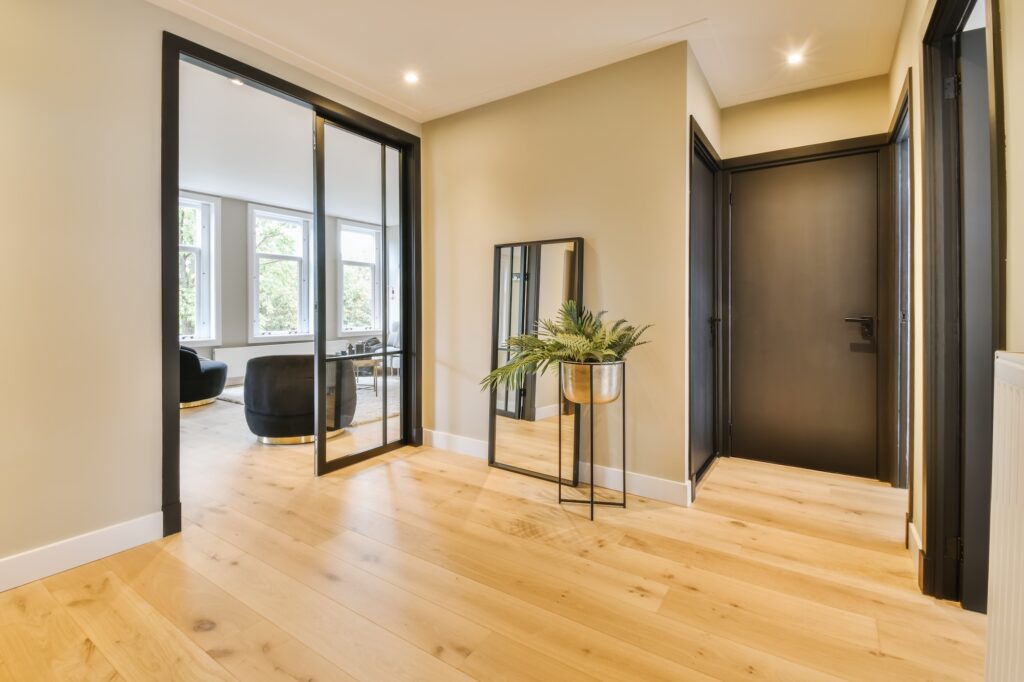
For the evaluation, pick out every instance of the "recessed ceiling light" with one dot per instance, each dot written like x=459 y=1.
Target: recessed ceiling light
x=411 y=77
x=237 y=81
x=795 y=58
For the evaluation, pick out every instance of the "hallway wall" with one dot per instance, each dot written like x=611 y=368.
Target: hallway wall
x=837 y=112
x=601 y=155
x=80 y=94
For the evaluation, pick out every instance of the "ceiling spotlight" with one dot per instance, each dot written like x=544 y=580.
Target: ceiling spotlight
x=237 y=81
x=411 y=77
x=794 y=58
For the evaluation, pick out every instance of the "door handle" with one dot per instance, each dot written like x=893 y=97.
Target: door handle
x=867 y=326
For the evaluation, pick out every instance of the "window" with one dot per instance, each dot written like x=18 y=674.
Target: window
x=359 y=283
x=198 y=218
x=280 y=296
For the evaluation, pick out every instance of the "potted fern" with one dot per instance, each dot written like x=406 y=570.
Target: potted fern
x=582 y=344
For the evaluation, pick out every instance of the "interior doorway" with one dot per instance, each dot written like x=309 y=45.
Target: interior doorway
x=706 y=304
x=901 y=315
x=290 y=259
x=964 y=290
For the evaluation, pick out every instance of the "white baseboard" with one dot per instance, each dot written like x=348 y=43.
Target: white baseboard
x=915 y=546
x=453 y=443
x=545 y=412
x=19 y=569
x=661 y=489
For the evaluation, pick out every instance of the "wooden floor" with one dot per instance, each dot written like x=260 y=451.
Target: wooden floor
x=533 y=445
x=425 y=565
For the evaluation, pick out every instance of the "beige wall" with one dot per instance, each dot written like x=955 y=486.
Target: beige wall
x=837 y=112
x=80 y=122
x=601 y=156
x=1013 y=91
x=701 y=102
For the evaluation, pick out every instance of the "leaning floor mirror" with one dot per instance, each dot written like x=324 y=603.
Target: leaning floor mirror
x=531 y=282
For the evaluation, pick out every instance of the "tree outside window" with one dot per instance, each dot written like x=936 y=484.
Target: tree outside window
x=281 y=274
x=359 y=281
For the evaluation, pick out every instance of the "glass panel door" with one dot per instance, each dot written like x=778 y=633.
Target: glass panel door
x=393 y=295
x=362 y=297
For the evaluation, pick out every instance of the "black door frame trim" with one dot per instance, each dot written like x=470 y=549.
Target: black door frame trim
x=176 y=49
x=943 y=450
x=811 y=152
x=700 y=146
x=904 y=111
x=889 y=189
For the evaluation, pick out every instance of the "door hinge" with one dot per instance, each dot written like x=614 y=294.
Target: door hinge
x=955 y=548
x=951 y=87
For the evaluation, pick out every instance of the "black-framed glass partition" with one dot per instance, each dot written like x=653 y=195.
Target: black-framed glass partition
x=531 y=282
x=332 y=272
x=363 y=287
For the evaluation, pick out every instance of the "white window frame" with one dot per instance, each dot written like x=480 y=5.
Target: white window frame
x=305 y=332
x=208 y=307
x=365 y=228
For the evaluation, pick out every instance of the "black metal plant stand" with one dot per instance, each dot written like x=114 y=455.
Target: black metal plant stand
x=593 y=502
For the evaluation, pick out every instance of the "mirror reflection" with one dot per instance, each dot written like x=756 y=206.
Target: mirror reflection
x=531 y=282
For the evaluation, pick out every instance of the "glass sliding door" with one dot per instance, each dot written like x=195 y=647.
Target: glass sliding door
x=291 y=263
x=360 y=338
x=393 y=295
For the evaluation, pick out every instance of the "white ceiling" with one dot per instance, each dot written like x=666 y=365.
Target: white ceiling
x=240 y=142
x=469 y=52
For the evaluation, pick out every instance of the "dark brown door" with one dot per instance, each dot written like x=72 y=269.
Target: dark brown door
x=804 y=281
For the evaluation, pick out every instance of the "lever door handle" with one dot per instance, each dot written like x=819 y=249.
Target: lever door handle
x=867 y=326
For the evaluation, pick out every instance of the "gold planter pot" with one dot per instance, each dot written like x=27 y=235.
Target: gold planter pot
x=607 y=378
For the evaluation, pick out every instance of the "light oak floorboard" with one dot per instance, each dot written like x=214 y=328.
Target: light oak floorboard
x=138 y=641
x=243 y=642
x=427 y=565
x=40 y=641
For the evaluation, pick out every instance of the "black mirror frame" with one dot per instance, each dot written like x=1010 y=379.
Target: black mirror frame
x=577 y=243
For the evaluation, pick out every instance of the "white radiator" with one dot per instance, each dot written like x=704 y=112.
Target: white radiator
x=1005 y=658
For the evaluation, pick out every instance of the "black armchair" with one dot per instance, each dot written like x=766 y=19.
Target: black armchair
x=279 y=398
x=202 y=380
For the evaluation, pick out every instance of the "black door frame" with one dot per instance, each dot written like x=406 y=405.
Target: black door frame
x=701 y=147
x=943 y=431
x=902 y=472
x=176 y=49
